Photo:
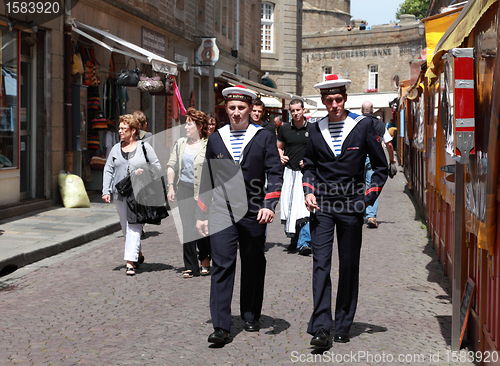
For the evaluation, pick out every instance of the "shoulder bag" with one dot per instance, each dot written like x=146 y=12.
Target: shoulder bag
x=147 y=84
x=129 y=77
x=149 y=204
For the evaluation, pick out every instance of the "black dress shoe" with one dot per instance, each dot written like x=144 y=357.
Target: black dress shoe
x=321 y=338
x=219 y=336
x=252 y=327
x=341 y=337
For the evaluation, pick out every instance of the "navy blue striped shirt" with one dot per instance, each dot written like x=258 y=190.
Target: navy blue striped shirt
x=236 y=138
x=337 y=134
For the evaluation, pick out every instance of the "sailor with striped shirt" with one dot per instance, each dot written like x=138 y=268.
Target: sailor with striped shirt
x=234 y=207
x=334 y=188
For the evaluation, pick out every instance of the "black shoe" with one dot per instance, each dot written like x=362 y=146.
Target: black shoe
x=341 y=337
x=305 y=250
x=219 y=336
x=252 y=327
x=321 y=338
x=143 y=234
x=292 y=247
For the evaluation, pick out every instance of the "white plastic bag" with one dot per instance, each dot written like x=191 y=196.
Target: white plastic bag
x=73 y=191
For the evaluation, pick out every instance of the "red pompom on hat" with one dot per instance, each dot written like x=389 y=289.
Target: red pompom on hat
x=333 y=84
x=239 y=92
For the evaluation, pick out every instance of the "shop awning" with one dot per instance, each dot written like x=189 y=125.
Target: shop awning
x=458 y=30
x=126 y=48
x=258 y=88
x=270 y=102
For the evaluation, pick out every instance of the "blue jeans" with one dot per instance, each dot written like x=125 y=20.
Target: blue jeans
x=302 y=236
x=371 y=211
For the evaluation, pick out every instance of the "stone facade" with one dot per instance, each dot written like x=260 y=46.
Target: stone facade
x=322 y=15
x=283 y=64
x=385 y=48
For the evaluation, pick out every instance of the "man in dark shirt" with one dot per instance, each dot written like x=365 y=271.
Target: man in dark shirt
x=292 y=142
x=256 y=114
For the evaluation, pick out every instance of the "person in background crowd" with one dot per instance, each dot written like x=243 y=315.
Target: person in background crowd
x=383 y=134
x=257 y=113
x=141 y=118
x=334 y=189
x=349 y=27
x=246 y=150
x=362 y=26
x=143 y=135
x=213 y=123
x=278 y=122
x=292 y=141
x=184 y=172
x=125 y=157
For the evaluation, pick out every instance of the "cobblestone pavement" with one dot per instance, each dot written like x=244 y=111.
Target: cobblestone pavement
x=79 y=307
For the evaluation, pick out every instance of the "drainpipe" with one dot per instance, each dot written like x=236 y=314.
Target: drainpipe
x=237 y=66
x=68 y=123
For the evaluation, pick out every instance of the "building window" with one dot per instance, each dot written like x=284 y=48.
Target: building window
x=327 y=70
x=373 y=77
x=266 y=36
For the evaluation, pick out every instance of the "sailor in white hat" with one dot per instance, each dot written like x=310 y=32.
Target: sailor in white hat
x=334 y=188
x=239 y=149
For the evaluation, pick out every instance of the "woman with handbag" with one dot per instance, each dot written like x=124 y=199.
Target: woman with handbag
x=184 y=167
x=127 y=157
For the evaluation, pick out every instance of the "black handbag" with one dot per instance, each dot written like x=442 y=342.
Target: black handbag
x=129 y=77
x=149 y=204
x=124 y=187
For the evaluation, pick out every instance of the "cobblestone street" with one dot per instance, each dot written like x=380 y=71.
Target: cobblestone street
x=79 y=307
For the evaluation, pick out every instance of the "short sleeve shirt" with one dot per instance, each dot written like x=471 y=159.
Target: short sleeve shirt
x=295 y=140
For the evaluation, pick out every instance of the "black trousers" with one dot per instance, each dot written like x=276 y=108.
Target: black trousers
x=349 y=228
x=191 y=238
x=225 y=237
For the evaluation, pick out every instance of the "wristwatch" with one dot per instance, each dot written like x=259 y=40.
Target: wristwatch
x=170 y=184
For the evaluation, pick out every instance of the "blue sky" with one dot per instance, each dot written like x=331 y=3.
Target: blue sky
x=375 y=11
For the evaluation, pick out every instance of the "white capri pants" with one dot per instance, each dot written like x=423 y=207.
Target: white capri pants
x=131 y=232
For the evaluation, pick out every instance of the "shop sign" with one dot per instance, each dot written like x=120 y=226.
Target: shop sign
x=154 y=42
x=208 y=52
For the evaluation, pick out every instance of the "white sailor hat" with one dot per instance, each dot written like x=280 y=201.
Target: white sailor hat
x=239 y=92
x=333 y=85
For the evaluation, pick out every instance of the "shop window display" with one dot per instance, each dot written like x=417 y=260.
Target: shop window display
x=8 y=99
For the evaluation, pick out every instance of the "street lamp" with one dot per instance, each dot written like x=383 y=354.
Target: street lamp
x=421 y=29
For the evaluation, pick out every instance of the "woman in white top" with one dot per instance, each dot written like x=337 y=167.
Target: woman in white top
x=183 y=175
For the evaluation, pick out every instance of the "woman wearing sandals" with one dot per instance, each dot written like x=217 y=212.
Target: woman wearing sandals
x=128 y=156
x=184 y=167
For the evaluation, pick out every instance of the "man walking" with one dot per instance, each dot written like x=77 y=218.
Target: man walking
x=383 y=134
x=292 y=141
x=333 y=184
x=257 y=113
x=242 y=149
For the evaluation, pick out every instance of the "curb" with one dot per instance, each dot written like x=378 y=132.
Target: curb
x=58 y=245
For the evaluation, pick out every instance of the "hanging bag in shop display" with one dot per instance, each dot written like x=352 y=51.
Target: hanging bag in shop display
x=99 y=122
x=129 y=77
x=147 y=84
x=76 y=62
x=87 y=66
x=168 y=87
x=94 y=71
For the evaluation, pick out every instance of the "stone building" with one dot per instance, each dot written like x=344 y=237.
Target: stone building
x=375 y=60
x=49 y=122
x=281 y=44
